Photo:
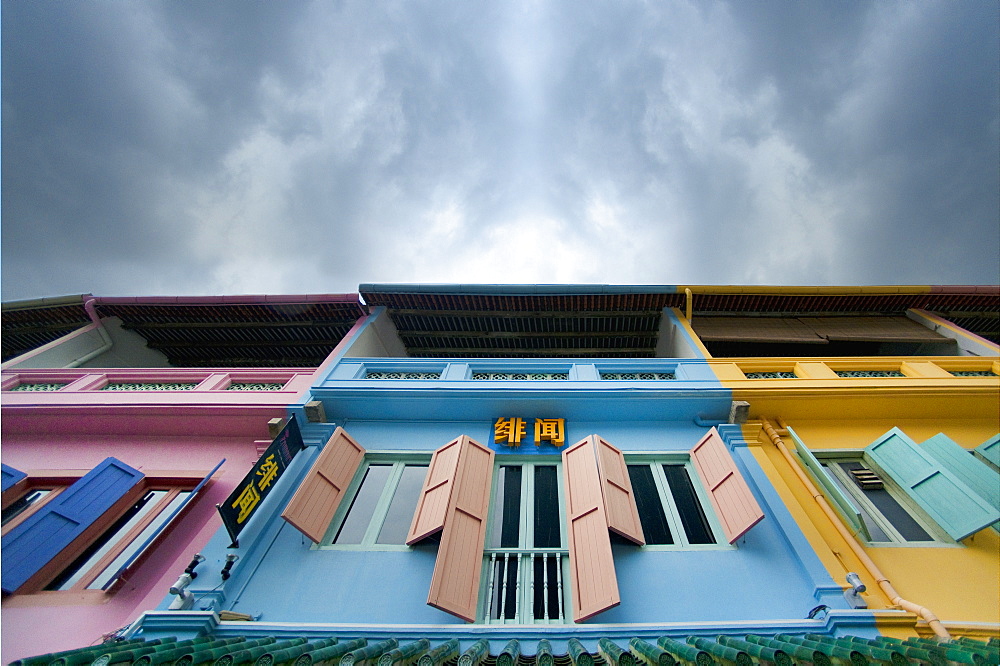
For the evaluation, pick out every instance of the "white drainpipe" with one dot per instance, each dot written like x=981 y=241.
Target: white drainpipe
x=89 y=307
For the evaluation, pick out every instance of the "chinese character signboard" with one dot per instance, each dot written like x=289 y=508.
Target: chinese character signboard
x=510 y=432
x=244 y=501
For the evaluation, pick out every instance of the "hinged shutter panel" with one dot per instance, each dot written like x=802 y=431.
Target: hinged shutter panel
x=731 y=496
x=592 y=567
x=432 y=507
x=455 y=582
x=845 y=507
x=970 y=470
x=10 y=476
x=35 y=542
x=619 y=501
x=990 y=451
x=312 y=507
x=957 y=509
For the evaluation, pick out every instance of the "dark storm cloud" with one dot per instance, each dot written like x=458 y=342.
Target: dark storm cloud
x=223 y=147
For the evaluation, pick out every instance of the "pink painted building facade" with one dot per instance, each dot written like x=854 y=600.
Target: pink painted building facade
x=168 y=426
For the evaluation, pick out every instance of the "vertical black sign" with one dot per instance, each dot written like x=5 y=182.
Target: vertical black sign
x=244 y=501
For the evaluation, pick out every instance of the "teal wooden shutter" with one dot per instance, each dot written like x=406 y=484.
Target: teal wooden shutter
x=958 y=509
x=990 y=451
x=10 y=476
x=838 y=498
x=32 y=544
x=970 y=470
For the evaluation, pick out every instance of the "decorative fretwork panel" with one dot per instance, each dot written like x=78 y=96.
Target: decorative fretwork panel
x=48 y=386
x=973 y=373
x=520 y=376
x=150 y=386
x=402 y=375
x=255 y=386
x=637 y=376
x=855 y=374
x=770 y=375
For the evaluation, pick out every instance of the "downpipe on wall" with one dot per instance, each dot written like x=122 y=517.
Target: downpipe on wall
x=894 y=597
x=89 y=307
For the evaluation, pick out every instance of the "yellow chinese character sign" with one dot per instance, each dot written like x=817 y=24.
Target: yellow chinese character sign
x=509 y=431
x=550 y=430
x=240 y=506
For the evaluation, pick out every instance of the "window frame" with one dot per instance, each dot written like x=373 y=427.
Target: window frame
x=666 y=497
x=526 y=532
x=830 y=459
x=398 y=460
x=173 y=482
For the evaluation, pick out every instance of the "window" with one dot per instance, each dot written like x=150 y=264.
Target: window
x=87 y=533
x=525 y=551
x=670 y=509
x=886 y=513
x=379 y=513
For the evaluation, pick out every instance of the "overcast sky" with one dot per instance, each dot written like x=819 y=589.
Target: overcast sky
x=296 y=147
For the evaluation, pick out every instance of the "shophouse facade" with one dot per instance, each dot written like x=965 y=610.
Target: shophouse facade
x=651 y=473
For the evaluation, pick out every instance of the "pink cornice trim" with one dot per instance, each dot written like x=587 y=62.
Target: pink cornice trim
x=341 y=347
x=227 y=300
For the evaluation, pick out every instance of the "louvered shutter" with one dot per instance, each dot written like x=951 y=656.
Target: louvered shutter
x=34 y=543
x=433 y=504
x=958 y=509
x=312 y=506
x=455 y=581
x=990 y=451
x=591 y=564
x=972 y=471
x=10 y=477
x=845 y=507
x=731 y=496
x=619 y=500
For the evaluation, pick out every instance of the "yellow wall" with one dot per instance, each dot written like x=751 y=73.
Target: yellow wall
x=959 y=583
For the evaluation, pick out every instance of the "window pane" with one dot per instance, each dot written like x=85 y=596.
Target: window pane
x=19 y=506
x=137 y=542
x=505 y=530
x=874 y=530
x=647 y=501
x=363 y=506
x=547 y=532
x=404 y=503
x=107 y=541
x=900 y=518
x=692 y=515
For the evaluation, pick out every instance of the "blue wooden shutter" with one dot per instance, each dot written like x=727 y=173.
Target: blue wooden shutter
x=32 y=544
x=958 y=509
x=990 y=451
x=10 y=476
x=837 y=497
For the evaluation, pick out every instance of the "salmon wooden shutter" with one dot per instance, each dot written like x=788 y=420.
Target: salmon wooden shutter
x=619 y=501
x=312 y=507
x=455 y=581
x=591 y=565
x=731 y=496
x=432 y=506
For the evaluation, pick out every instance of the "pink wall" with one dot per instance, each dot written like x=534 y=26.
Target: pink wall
x=48 y=622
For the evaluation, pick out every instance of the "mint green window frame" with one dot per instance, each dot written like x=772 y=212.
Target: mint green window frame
x=369 y=542
x=666 y=496
x=868 y=510
x=526 y=536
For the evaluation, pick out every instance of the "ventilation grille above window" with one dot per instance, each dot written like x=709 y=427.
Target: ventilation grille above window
x=637 y=376
x=38 y=387
x=973 y=373
x=770 y=375
x=150 y=386
x=869 y=373
x=402 y=375
x=255 y=386
x=520 y=376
